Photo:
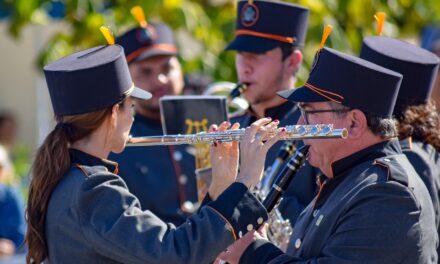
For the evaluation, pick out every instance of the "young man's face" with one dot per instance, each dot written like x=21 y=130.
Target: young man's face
x=159 y=75
x=263 y=73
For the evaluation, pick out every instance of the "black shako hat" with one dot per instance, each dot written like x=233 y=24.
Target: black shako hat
x=350 y=81
x=90 y=80
x=264 y=25
x=144 y=42
x=418 y=66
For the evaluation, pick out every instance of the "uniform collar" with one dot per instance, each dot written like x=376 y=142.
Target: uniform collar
x=276 y=112
x=342 y=168
x=82 y=158
x=382 y=149
x=406 y=143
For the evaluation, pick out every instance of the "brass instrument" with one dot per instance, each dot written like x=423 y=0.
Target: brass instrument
x=232 y=92
x=294 y=132
x=280 y=229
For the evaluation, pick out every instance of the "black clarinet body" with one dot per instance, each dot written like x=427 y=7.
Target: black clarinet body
x=286 y=150
x=284 y=178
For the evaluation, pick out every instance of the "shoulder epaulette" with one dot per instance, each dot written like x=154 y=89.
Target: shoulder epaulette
x=396 y=172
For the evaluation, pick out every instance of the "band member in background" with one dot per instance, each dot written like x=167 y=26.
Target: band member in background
x=416 y=114
x=372 y=206
x=268 y=42
x=162 y=177
x=80 y=211
x=430 y=40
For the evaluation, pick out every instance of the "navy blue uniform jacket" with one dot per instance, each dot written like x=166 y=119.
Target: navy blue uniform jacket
x=376 y=209
x=93 y=218
x=426 y=161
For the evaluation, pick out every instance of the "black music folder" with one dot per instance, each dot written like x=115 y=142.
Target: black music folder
x=191 y=114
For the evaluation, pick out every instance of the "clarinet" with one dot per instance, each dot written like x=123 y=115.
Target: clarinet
x=237 y=91
x=284 y=178
x=288 y=148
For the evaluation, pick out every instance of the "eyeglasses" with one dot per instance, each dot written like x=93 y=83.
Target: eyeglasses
x=305 y=113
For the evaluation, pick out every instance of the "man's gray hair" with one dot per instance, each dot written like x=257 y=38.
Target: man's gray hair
x=384 y=127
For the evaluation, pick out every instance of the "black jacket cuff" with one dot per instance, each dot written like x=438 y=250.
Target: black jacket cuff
x=240 y=208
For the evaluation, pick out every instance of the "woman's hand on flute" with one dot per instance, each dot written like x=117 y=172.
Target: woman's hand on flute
x=224 y=161
x=253 y=150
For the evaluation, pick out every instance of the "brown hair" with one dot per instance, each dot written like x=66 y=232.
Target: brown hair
x=51 y=162
x=422 y=123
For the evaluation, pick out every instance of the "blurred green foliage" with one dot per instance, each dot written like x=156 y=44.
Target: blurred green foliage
x=204 y=27
x=20 y=159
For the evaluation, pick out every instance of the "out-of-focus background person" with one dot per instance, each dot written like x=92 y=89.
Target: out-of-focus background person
x=8 y=130
x=12 y=224
x=430 y=40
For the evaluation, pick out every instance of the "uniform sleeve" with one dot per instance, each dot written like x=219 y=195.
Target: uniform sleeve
x=114 y=224
x=379 y=226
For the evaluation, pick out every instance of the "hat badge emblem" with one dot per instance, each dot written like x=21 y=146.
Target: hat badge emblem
x=249 y=15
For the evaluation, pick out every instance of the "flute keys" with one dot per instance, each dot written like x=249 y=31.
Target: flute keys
x=314 y=130
x=301 y=130
x=325 y=130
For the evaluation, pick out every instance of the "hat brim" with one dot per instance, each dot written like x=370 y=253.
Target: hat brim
x=155 y=52
x=248 y=43
x=302 y=95
x=140 y=94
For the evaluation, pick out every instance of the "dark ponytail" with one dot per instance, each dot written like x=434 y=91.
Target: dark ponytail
x=52 y=161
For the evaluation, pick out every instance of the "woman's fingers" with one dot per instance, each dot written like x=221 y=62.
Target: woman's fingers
x=213 y=128
x=269 y=143
x=224 y=126
x=235 y=126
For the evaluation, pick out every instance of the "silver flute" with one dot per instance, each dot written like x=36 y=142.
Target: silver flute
x=294 y=132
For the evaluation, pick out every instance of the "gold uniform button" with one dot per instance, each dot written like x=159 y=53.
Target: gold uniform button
x=249 y=227
x=297 y=243
x=260 y=220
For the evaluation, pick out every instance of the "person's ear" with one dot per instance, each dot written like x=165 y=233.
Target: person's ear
x=356 y=123
x=114 y=116
x=294 y=61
